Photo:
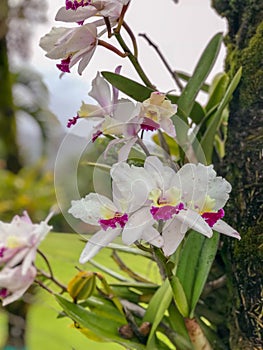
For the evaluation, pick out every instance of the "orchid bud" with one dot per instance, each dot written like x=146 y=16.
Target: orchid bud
x=82 y=285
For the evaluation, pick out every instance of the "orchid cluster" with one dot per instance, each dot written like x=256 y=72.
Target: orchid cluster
x=19 y=241
x=122 y=119
x=78 y=44
x=168 y=206
x=153 y=196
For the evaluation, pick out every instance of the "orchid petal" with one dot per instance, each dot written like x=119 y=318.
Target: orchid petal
x=222 y=227
x=152 y=236
x=98 y=241
x=101 y=93
x=79 y=15
x=138 y=223
x=88 y=209
x=173 y=233
x=193 y=220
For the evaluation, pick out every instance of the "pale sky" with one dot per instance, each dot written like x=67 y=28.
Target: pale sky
x=180 y=30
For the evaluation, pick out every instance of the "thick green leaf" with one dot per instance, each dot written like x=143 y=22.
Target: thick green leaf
x=207 y=140
x=218 y=89
x=179 y=296
x=176 y=322
x=103 y=327
x=130 y=87
x=201 y=72
x=194 y=85
x=196 y=114
x=188 y=262
x=186 y=77
x=157 y=308
x=206 y=258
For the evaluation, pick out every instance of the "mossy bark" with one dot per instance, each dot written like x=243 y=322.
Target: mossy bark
x=244 y=169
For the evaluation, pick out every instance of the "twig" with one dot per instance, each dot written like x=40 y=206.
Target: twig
x=213 y=285
x=163 y=59
x=47 y=263
x=126 y=269
x=133 y=60
x=42 y=285
x=53 y=279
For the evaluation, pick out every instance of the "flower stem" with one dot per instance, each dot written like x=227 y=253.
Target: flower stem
x=144 y=148
x=133 y=39
x=133 y=60
x=112 y=48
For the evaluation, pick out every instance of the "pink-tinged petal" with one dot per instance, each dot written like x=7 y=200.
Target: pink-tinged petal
x=152 y=236
x=173 y=233
x=211 y=218
x=149 y=125
x=48 y=41
x=80 y=14
x=138 y=223
x=85 y=60
x=119 y=220
x=222 y=227
x=166 y=212
x=96 y=135
x=168 y=126
x=124 y=152
x=193 y=220
x=64 y=65
x=72 y=121
x=98 y=241
x=101 y=93
x=14 y=283
x=115 y=91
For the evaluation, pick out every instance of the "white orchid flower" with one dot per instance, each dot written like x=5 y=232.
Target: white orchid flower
x=71 y=45
x=117 y=217
x=19 y=241
x=14 y=282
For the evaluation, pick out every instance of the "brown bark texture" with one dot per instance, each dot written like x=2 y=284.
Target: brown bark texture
x=243 y=165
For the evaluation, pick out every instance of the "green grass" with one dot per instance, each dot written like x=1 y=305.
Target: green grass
x=45 y=331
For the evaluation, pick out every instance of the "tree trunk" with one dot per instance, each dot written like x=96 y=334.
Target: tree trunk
x=243 y=164
x=8 y=145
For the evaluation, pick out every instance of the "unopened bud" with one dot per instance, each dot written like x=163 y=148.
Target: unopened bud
x=82 y=285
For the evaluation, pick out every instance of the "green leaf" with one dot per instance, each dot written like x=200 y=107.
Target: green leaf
x=217 y=91
x=206 y=258
x=103 y=327
x=157 y=308
x=188 y=262
x=201 y=72
x=179 y=296
x=194 y=85
x=172 y=144
x=196 y=114
x=207 y=141
x=197 y=256
x=130 y=87
x=186 y=77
